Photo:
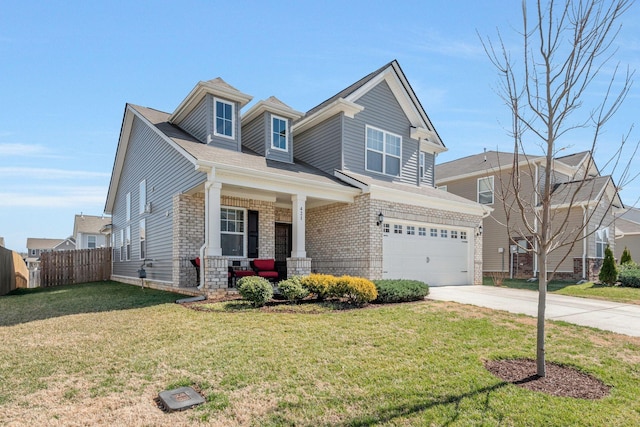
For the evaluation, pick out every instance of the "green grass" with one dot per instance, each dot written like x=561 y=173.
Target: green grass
x=585 y=290
x=406 y=364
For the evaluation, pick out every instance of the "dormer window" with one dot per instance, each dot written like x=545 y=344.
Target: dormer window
x=224 y=122
x=279 y=131
x=384 y=151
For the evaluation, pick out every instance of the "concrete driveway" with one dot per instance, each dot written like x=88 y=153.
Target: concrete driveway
x=610 y=316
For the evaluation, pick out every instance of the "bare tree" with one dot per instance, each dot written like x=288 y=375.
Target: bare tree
x=566 y=46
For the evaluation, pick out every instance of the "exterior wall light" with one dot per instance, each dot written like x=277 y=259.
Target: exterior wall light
x=380 y=219
x=479 y=231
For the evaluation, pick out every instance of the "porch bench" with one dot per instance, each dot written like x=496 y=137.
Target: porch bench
x=265 y=268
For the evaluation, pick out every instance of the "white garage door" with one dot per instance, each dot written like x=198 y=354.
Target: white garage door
x=435 y=254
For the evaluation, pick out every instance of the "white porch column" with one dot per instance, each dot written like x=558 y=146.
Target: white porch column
x=212 y=219
x=298 y=211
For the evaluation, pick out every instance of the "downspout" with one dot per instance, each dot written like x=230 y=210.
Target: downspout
x=584 y=241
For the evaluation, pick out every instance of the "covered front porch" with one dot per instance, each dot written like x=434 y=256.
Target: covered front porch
x=228 y=222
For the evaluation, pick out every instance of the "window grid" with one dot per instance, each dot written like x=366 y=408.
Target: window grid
x=397 y=229
x=463 y=235
x=454 y=234
x=383 y=153
x=443 y=233
x=485 y=190
x=143 y=239
x=386 y=228
x=91 y=242
x=422 y=231
x=411 y=230
x=232 y=231
x=279 y=133
x=434 y=232
x=223 y=119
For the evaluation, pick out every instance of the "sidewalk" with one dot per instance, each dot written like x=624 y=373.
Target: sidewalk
x=617 y=317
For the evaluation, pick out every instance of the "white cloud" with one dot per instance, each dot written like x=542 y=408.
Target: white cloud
x=56 y=197
x=26 y=150
x=46 y=173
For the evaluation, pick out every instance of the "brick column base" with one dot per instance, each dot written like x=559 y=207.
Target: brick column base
x=216 y=278
x=298 y=266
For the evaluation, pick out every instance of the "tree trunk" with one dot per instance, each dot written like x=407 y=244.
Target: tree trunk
x=542 y=305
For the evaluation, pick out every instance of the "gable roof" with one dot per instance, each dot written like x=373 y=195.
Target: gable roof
x=630 y=214
x=346 y=100
x=626 y=227
x=584 y=192
x=89 y=224
x=37 y=243
x=574 y=160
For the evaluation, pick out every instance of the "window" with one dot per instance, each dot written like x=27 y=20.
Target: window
x=91 y=242
x=122 y=245
x=224 y=119
x=411 y=230
x=385 y=227
x=383 y=152
x=433 y=232
x=279 y=133
x=454 y=234
x=33 y=252
x=463 y=235
x=443 y=233
x=522 y=246
x=232 y=231
x=485 y=190
x=602 y=239
x=143 y=240
x=128 y=207
x=422 y=231
x=421 y=172
x=397 y=229
x=127 y=242
x=143 y=196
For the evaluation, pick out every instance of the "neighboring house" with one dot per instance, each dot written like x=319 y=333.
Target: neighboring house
x=628 y=233
x=482 y=177
x=346 y=188
x=2 y=242
x=35 y=247
x=87 y=231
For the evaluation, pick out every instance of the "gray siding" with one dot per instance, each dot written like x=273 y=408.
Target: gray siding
x=321 y=146
x=196 y=122
x=253 y=134
x=381 y=110
x=429 y=170
x=167 y=173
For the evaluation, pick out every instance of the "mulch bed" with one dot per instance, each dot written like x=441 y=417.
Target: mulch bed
x=560 y=380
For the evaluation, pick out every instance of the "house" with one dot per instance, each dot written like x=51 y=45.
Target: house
x=87 y=231
x=345 y=188
x=628 y=233
x=583 y=206
x=2 y=242
x=37 y=246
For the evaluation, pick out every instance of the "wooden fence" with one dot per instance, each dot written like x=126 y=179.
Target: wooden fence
x=73 y=267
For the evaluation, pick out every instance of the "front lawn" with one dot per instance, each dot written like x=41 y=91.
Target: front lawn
x=419 y=363
x=585 y=290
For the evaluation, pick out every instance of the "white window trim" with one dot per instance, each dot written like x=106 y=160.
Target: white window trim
x=143 y=196
x=383 y=152
x=492 y=189
x=286 y=139
x=245 y=232
x=128 y=207
x=122 y=244
x=602 y=238
x=95 y=241
x=233 y=119
x=142 y=226
x=127 y=243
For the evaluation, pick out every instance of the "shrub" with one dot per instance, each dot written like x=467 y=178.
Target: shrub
x=629 y=275
x=625 y=258
x=292 y=288
x=357 y=290
x=400 y=290
x=322 y=285
x=255 y=289
x=608 y=273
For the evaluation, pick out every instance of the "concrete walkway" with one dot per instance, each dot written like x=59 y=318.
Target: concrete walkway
x=617 y=317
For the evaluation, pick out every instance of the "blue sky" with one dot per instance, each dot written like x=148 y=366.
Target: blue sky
x=68 y=68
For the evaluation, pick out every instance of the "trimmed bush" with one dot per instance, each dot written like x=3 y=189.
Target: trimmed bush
x=357 y=290
x=629 y=275
x=608 y=273
x=292 y=289
x=626 y=257
x=255 y=289
x=390 y=291
x=322 y=285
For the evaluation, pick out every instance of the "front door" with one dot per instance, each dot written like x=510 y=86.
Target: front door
x=283 y=247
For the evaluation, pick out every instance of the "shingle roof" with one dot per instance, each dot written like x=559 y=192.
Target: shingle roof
x=573 y=159
x=36 y=243
x=627 y=227
x=246 y=159
x=579 y=191
x=630 y=214
x=475 y=163
x=90 y=224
